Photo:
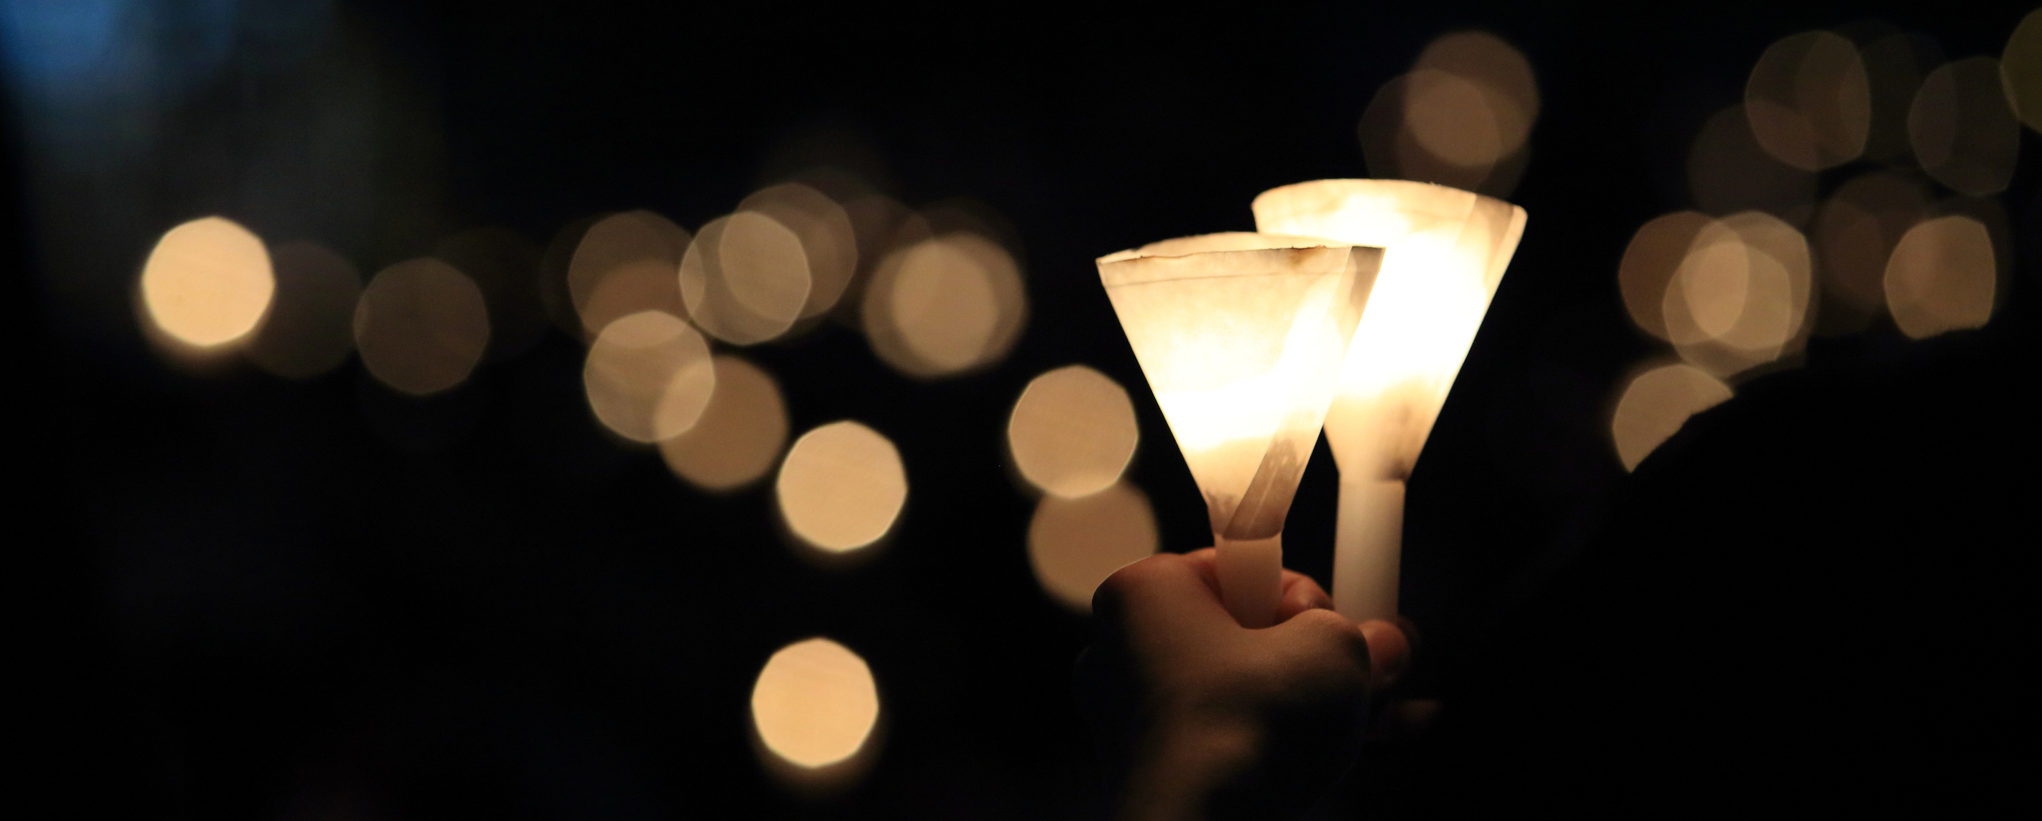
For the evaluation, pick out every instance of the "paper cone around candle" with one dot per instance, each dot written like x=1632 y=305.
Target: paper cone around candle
x=1445 y=253
x=1242 y=337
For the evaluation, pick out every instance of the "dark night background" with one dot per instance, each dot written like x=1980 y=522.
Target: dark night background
x=252 y=597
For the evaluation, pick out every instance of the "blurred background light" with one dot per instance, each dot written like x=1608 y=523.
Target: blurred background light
x=648 y=376
x=207 y=283
x=746 y=278
x=309 y=329
x=1460 y=117
x=1740 y=299
x=1962 y=129
x=1656 y=403
x=2020 y=67
x=623 y=264
x=841 y=486
x=1728 y=172
x=1654 y=254
x=1075 y=543
x=1809 y=102
x=738 y=438
x=944 y=305
x=815 y=703
x=421 y=326
x=825 y=232
x=1942 y=277
x=1854 y=233
x=1072 y=431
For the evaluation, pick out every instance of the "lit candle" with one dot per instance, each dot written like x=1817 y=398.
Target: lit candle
x=1445 y=251
x=1242 y=337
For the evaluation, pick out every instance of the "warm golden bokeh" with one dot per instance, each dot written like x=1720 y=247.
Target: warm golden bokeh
x=1728 y=171
x=2020 y=68
x=1854 y=233
x=1074 y=544
x=1656 y=404
x=1654 y=254
x=1072 y=431
x=207 y=283
x=815 y=703
x=1963 y=131
x=648 y=376
x=421 y=326
x=740 y=434
x=1809 y=101
x=826 y=236
x=310 y=326
x=841 y=486
x=746 y=278
x=944 y=305
x=1740 y=299
x=1500 y=74
x=1942 y=277
x=624 y=264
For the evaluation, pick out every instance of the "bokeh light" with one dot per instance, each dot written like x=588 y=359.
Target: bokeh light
x=1500 y=74
x=1074 y=544
x=309 y=329
x=648 y=376
x=1654 y=254
x=815 y=703
x=1072 y=431
x=1942 y=277
x=841 y=486
x=1461 y=117
x=1854 y=233
x=2020 y=68
x=421 y=326
x=624 y=264
x=739 y=435
x=1963 y=131
x=1809 y=101
x=945 y=305
x=1656 y=403
x=1728 y=172
x=826 y=235
x=207 y=283
x=1740 y=299
x=746 y=278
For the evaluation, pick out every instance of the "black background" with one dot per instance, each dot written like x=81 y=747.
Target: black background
x=263 y=598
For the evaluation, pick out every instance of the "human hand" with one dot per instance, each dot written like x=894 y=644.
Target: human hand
x=1199 y=717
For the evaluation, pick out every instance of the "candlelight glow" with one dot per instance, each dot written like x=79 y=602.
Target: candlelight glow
x=1074 y=544
x=1963 y=129
x=1656 y=404
x=1809 y=102
x=1942 y=277
x=841 y=486
x=815 y=703
x=207 y=283
x=745 y=278
x=1445 y=253
x=1241 y=337
x=1072 y=431
x=648 y=376
x=309 y=328
x=625 y=264
x=421 y=326
x=739 y=435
